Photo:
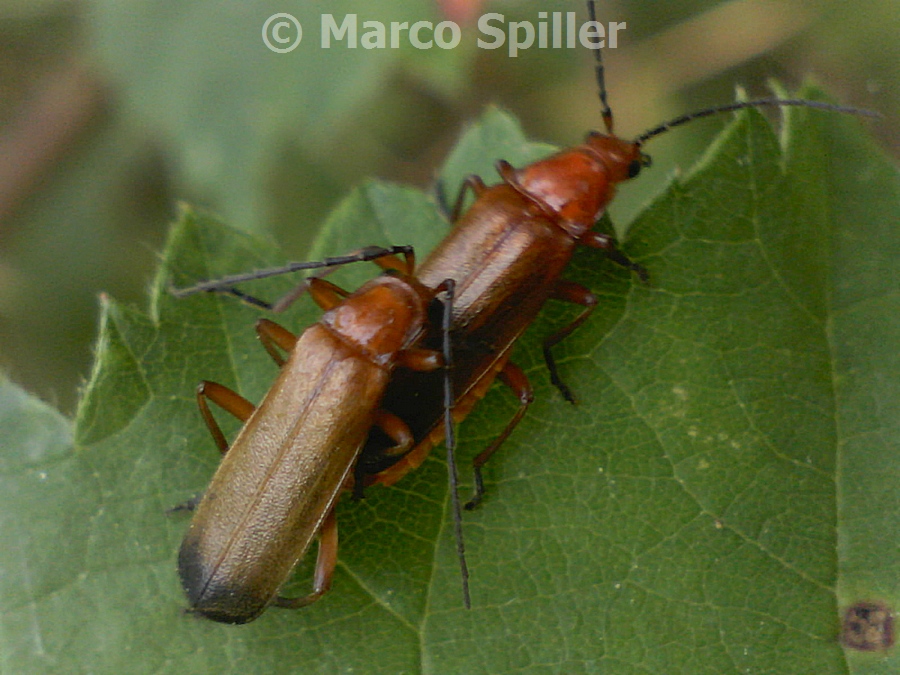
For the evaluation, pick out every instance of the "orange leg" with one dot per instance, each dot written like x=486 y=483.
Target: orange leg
x=275 y=337
x=411 y=461
x=567 y=291
x=230 y=401
x=421 y=360
x=326 y=561
x=606 y=242
x=514 y=378
x=397 y=430
x=473 y=183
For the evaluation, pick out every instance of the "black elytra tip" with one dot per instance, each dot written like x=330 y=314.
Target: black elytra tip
x=209 y=598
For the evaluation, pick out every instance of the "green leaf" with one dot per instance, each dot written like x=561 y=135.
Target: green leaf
x=726 y=486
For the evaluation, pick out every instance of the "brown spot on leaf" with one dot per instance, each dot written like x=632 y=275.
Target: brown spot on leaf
x=868 y=627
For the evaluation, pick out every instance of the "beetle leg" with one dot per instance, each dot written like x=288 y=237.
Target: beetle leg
x=508 y=173
x=473 y=183
x=326 y=561
x=275 y=337
x=230 y=401
x=514 y=378
x=392 y=262
x=189 y=505
x=422 y=360
x=409 y=462
x=397 y=430
x=567 y=291
x=326 y=294
x=300 y=289
x=606 y=242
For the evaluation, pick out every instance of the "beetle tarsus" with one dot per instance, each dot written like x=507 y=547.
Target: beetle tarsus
x=478 y=495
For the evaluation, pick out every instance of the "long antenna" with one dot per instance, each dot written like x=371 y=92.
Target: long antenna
x=740 y=105
x=449 y=287
x=605 y=110
x=224 y=284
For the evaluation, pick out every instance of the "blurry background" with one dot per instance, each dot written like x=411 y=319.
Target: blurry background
x=113 y=110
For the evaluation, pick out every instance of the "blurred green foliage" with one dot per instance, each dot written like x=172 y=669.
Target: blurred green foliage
x=111 y=112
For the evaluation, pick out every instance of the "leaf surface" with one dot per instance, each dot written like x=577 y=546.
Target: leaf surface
x=727 y=484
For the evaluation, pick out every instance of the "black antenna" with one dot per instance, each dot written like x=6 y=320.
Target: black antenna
x=224 y=284
x=758 y=103
x=449 y=286
x=605 y=110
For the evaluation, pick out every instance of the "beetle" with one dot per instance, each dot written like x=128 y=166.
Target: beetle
x=506 y=254
x=276 y=486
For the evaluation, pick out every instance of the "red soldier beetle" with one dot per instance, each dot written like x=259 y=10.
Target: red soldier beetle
x=277 y=484
x=506 y=253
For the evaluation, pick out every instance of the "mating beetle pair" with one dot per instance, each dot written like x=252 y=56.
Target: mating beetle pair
x=502 y=261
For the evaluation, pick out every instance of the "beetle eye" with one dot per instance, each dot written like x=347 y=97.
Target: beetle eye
x=634 y=169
